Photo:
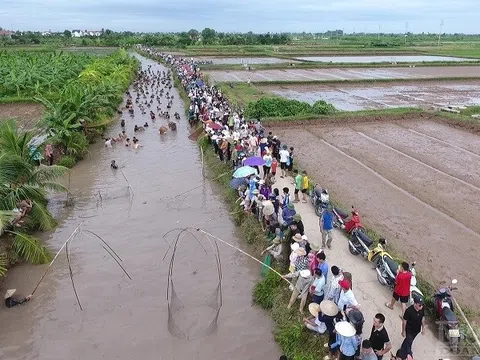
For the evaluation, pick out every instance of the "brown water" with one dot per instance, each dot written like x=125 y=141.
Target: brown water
x=127 y=319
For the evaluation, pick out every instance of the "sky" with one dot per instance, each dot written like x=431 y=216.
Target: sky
x=243 y=15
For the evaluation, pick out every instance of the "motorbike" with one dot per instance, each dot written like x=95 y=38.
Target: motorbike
x=320 y=199
x=376 y=253
x=447 y=320
x=387 y=269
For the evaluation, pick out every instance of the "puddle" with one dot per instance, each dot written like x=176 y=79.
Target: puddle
x=383 y=59
x=243 y=60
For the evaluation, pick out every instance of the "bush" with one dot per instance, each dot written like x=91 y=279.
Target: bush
x=279 y=107
x=67 y=161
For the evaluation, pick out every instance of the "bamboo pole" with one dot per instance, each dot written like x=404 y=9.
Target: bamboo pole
x=244 y=253
x=468 y=323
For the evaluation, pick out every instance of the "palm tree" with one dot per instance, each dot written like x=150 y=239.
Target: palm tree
x=22 y=181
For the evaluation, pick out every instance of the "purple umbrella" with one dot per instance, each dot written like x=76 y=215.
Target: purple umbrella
x=254 y=161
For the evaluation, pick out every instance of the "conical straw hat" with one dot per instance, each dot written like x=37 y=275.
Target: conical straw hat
x=344 y=328
x=328 y=308
x=10 y=293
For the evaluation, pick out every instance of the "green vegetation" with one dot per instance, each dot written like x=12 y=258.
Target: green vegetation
x=471 y=110
x=87 y=102
x=26 y=74
x=22 y=180
x=240 y=94
x=280 y=107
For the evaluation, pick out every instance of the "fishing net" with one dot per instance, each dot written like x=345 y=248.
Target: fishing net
x=266 y=265
x=182 y=321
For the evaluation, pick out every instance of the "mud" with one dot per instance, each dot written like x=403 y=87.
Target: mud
x=341 y=74
x=353 y=97
x=405 y=195
x=383 y=59
x=125 y=319
x=26 y=115
x=242 y=60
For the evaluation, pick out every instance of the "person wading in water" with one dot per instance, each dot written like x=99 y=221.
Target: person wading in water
x=11 y=301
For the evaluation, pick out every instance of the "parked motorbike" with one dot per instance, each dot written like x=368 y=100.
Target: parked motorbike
x=447 y=320
x=320 y=199
x=387 y=269
x=341 y=220
x=376 y=253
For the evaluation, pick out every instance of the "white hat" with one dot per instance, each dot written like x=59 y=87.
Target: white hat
x=268 y=208
x=10 y=293
x=214 y=137
x=294 y=246
x=304 y=237
x=345 y=329
x=261 y=182
x=305 y=273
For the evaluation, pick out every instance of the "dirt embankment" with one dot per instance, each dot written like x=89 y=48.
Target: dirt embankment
x=27 y=115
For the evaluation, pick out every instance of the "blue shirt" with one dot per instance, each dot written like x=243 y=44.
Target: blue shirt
x=324 y=269
x=327 y=220
x=348 y=345
x=287 y=215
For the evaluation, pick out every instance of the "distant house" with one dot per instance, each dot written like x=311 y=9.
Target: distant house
x=93 y=33
x=77 y=33
x=6 y=34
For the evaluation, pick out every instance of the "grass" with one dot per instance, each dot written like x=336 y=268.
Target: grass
x=471 y=110
x=240 y=94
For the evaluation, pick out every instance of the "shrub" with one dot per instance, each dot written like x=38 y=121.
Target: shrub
x=67 y=161
x=279 y=107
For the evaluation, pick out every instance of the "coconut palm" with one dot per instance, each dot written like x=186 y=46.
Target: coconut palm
x=21 y=180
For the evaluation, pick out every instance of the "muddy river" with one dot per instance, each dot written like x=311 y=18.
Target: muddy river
x=127 y=319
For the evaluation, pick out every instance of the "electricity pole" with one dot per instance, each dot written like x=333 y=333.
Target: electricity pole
x=440 y=33
x=379 y=27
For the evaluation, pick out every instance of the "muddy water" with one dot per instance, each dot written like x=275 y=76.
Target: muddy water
x=243 y=60
x=125 y=319
x=382 y=59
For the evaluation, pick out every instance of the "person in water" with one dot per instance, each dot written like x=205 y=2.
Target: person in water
x=122 y=123
x=145 y=125
x=127 y=142
x=114 y=165
x=10 y=301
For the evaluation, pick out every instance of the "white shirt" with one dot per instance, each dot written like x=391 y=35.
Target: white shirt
x=346 y=298
x=284 y=154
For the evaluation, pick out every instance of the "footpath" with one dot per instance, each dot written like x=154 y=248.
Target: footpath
x=368 y=291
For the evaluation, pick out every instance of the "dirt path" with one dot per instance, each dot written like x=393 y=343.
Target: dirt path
x=369 y=293
x=440 y=190
x=443 y=247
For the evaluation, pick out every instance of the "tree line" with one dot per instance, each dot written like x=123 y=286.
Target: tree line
x=127 y=38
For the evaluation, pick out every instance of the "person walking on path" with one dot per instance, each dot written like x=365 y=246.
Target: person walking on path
x=402 y=287
x=268 y=163
x=347 y=298
x=413 y=323
x=326 y=227
x=379 y=338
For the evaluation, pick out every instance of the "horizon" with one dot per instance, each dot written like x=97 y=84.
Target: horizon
x=274 y=16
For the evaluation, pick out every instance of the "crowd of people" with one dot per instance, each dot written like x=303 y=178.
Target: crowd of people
x=333 y=307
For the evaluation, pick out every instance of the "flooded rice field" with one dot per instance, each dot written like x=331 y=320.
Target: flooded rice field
x=383 y=59
x=129 y=319
x=242 y=60
x=381 y=95
x=417 y=183
x=342 y=74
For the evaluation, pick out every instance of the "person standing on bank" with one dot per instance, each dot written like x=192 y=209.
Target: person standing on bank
x=326 y=227
x=402 y=287
x=379 y=338
x=413 y=323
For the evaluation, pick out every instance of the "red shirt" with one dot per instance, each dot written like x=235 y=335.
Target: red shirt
x=273 y=168
x=402 y=283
